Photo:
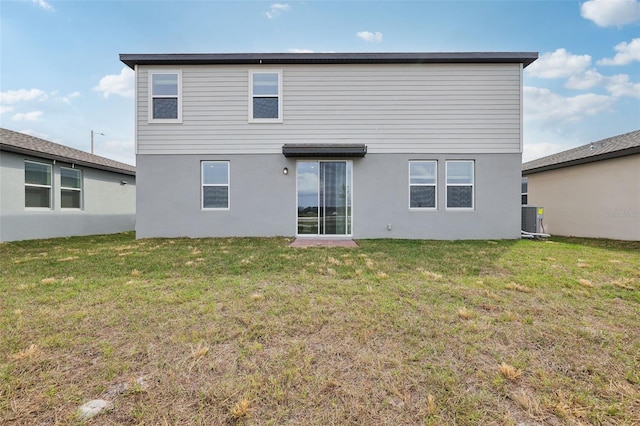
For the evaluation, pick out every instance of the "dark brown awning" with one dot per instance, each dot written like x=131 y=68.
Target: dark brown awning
x=324 y=150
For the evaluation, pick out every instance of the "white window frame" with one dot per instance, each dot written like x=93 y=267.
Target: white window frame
x=279 y=119
x=203 y=185
x=50 y=186
x=151 y=119
x=66 y=188
x=524 y=181
x=434 y=185
x=472 y=185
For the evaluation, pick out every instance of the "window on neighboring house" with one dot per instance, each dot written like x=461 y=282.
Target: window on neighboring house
x=70 y=188
x=459 y=184
x=265 y=103
x=422 y=184
x=215 y=184
x=525 y=190
x=165 y=93
x=37 y=185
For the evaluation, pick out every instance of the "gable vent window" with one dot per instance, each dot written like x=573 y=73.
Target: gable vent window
x=265 y=103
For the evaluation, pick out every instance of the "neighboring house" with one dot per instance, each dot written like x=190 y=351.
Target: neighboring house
x=50 y=190
x=589 y=191
x=361 y=145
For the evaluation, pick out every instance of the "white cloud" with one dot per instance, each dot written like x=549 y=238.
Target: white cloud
x=531 y=151
x=559 y=64
x=627 y=53
x=300 y=51
x=117 y=84
x=123 y=151
x=586 y=80
x=609 y=13
x=28 y=116
x=543 y=104
x=276 y=9
x=43 y=4
x=15 y=96
x=70 y=97
x=4 y=109
x=369 y=36
x=619 y=85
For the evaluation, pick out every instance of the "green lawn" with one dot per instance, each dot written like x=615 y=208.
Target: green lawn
x=250 y=331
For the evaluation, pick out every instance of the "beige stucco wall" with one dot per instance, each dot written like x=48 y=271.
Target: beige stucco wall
x=599 y=200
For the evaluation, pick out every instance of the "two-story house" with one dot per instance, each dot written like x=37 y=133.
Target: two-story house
x=361 y=145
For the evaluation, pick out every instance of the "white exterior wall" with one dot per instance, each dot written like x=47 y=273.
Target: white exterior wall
x=392 y=108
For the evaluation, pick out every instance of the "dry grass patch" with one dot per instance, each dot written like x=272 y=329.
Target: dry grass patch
x=585 y=283
x=240 y=409
x=465 y=313
x=30 y=352
x=518 y=287
x=509 y=372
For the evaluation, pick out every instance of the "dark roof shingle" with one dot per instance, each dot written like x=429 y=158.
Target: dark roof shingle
x=30 y=145
x=616 y=146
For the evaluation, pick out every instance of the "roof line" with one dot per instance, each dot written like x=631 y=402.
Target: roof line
x=131 y=60
x=585 y=160
x=22 y=143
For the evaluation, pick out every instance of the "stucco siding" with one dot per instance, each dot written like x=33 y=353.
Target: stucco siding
x=597 y=200
x=263 y=199
x=107 y=205
x=392 y=108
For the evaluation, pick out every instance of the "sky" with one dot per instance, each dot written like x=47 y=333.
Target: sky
x=61 y=77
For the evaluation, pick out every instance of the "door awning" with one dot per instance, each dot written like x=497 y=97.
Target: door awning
x=324 y=150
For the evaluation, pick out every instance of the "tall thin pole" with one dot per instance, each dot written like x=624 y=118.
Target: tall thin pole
x=92 y=139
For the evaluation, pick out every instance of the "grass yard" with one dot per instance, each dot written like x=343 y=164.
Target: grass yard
x=250 y=331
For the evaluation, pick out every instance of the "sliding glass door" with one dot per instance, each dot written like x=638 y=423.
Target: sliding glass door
x=324 y=197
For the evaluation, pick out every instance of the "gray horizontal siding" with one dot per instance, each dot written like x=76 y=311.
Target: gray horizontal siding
x=390 y=108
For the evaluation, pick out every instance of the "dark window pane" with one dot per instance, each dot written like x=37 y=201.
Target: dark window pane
x=165 y=108
x=37 y=174
x=35 y=196
x=265 y=107
x=525 y=184
x=69 y=178
x=215 y=197
x=460 y=196
x=423 y=196
x=69 y=199
x=524 y=198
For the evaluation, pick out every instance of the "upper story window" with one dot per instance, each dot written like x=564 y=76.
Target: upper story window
x=422 y=184
x=70 y=188
x=460 y=181
x=37 y=185
x=265 y=97
x=165 y=96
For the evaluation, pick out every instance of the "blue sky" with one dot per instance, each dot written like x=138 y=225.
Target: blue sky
x=60 y=75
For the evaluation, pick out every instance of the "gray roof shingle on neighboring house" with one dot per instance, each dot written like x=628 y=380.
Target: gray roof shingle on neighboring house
x=22 y=143
x=614 y=147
